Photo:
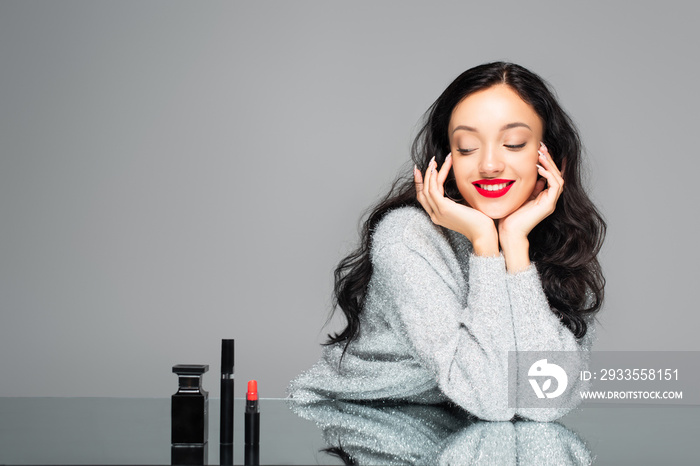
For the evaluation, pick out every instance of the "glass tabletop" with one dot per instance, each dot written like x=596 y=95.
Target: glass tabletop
x=137 y=431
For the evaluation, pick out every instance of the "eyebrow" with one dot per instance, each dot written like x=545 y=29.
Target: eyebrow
x=517 y=124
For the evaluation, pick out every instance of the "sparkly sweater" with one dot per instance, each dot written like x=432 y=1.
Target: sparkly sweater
x=409 y=434
x=437 y=325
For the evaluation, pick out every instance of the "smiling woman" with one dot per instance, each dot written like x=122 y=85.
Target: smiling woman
x=481 y=252
x=495 y=162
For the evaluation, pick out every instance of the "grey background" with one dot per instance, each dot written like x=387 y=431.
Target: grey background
x=176 y=173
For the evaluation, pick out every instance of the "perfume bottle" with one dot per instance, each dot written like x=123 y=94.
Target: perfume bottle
x=190 y=407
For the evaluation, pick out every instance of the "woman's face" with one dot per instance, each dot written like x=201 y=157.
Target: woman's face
x=494 y=137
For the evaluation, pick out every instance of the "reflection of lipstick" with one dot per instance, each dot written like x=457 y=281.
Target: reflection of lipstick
x=252 y=425
x=496 y=187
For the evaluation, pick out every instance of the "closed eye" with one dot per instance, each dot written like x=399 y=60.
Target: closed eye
x=516 y=146
x=465 y=151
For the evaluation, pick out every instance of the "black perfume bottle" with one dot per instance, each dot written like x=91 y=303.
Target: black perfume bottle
x=190 y=407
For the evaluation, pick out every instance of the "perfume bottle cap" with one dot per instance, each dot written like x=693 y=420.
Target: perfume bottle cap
x=190 y=369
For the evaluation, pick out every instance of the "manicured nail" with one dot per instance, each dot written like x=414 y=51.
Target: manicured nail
x=541 y=154
x=448 y=156
x=542 y=144
x=539 y=166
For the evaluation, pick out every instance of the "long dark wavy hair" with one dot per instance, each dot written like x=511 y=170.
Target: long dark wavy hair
x=564 y=246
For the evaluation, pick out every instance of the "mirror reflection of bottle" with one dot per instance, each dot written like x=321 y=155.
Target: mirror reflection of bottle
x=190 y=416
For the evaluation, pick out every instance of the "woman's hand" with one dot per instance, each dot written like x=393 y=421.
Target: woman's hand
x=476 y=226
x=513 y=229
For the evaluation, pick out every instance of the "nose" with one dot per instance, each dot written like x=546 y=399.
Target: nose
x=491 y=162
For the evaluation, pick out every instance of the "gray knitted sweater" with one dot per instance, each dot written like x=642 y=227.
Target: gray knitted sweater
x=438 y=324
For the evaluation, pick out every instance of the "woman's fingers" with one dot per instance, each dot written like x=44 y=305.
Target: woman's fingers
x=549 y=164
x=554 y=185
x=430 y=190
x=442 y=174
x=550 y=170
x=428 y=183
x=428 y=175
x=418 y=180
x=434 y=188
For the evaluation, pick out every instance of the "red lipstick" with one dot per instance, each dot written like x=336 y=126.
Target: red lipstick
x=492 y=192
x=252 y=390
x=252 y=425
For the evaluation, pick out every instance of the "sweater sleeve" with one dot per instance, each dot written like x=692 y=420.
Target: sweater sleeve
x=538 y=329
x=464 y=343
x=536 y=326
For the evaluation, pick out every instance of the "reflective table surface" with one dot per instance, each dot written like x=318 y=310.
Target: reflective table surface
x=137 y=431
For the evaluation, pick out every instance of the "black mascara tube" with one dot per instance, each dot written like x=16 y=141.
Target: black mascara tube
x=227 y=367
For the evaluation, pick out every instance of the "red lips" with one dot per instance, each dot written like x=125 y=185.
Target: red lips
x=491 y=192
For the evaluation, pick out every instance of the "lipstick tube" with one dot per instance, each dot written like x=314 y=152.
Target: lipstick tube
x=252 y=425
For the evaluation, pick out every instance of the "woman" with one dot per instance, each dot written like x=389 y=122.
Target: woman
x=490 y=247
